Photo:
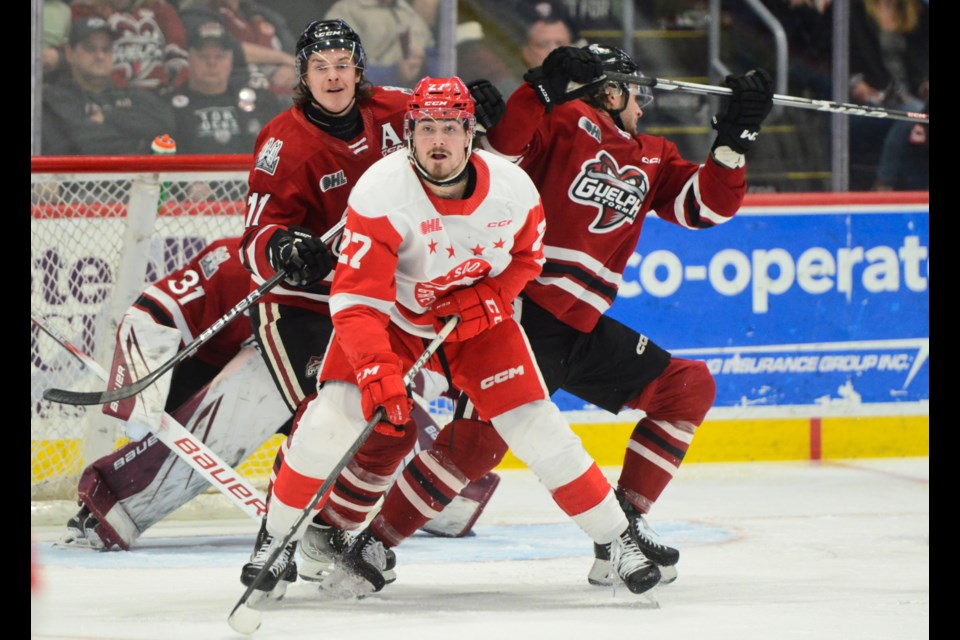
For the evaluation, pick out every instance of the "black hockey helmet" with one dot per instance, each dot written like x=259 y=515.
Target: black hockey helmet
x=320 y=35
x=617 y=61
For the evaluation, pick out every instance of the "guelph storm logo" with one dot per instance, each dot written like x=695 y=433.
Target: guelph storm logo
x=617 y=193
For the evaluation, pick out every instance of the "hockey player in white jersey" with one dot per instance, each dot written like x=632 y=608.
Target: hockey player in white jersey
x=430 y=234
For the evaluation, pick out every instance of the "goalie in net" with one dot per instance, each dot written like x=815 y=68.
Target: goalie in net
x=223 y=394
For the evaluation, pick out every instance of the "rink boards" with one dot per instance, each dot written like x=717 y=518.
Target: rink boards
x=811 y=312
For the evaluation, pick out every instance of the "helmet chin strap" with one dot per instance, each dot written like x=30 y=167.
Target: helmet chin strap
x=459 y=174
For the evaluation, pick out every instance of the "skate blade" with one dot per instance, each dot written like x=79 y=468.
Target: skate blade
x=344 y=585
x=314 y=571
x=68 y=541
x=668 y=575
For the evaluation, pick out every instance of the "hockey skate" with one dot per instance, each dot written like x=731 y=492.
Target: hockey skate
x=366 y=567
x=665 y=557
x=631 y=566
x=81 y=532
x=321 y=546
x=282 y=572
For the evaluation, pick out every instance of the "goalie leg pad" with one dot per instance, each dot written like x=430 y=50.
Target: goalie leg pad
x=135 y=487
x=457 y=518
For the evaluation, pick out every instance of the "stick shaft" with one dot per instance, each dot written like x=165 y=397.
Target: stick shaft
x=344 y=460
x=830 y=106
x=65 y=396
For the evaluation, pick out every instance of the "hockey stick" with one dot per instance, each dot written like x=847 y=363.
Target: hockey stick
x=780 y=99
x=246 y=620
x=185 y=445
x=65 y=396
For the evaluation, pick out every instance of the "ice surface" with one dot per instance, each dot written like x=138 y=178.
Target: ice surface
x=771 y=551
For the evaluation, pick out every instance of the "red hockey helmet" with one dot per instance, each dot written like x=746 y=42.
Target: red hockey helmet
x=440 y=99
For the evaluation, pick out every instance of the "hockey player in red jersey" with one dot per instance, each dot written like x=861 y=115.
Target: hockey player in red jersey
x=222 y=394
x=576 y=135
x=437 y=232
x=308 y=160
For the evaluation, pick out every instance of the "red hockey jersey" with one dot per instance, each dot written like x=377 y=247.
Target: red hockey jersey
x=598 y=183
x=302 y=177
x=191 y=299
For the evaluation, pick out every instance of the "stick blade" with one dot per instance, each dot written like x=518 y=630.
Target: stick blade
x=65 y=396
x=244 y=620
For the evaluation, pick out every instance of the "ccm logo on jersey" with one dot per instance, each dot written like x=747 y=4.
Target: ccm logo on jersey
x=503 y=376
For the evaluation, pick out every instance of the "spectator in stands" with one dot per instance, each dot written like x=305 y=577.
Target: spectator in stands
x=265 y=37
x=212 y=114
x=150 y=43
x=889 y=66
x=905 y=158
x=396 y=38
x=56 y=31
x=547 y=30
x=475 y=59
x=85 y=114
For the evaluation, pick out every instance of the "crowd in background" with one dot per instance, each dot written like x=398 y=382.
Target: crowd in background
x=211 y=73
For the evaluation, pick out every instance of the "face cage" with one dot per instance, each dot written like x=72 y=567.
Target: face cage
x=356 y=53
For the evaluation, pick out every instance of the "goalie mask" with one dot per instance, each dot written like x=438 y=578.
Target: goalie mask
x=440 y=101
x=617 y=61
x=322 y=35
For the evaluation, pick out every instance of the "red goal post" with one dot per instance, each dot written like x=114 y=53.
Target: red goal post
x=101 y=229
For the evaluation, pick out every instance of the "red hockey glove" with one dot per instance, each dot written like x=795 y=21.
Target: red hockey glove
x=380 y=379
x=479 y=307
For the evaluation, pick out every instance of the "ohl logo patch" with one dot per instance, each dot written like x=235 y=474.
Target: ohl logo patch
x=617 y=193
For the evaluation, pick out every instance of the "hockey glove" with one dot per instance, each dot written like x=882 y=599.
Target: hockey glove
x=738 y=122
x=305 y=258
x=479 y=307
x=488 y=102
x=380 y=379
x=566 y=73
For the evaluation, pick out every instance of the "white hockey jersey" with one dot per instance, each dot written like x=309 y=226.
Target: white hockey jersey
x=403 y=247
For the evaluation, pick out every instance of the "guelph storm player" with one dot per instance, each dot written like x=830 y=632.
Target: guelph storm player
x=595 y=201
x=308 y=159
x=439 y=232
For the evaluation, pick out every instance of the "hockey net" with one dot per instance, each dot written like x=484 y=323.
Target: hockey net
x=101 y=229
